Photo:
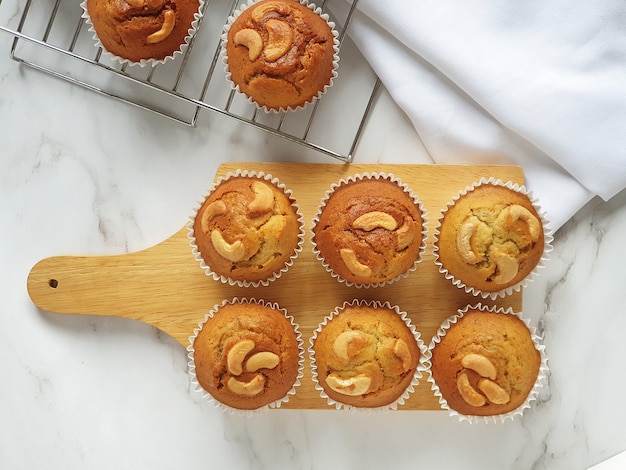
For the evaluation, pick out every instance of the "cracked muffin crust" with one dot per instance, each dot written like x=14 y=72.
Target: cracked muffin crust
x=365 y=355
x=247 y=354
x=486 y=363
x=139 y=30
x=370 y=230
x=248 y=229
x=490 y=238
x=280 y=53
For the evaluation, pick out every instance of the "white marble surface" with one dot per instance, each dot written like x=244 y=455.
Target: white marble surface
x=82 y=174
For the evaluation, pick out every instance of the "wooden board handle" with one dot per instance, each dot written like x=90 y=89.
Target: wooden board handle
x=131 y=285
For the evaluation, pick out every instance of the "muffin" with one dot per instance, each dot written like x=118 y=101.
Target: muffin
x=369 y=230
x=247 y=355
x=248 y=230
x=366 y=355
x=484 y=362
x=140 y=31
x=281 y=54
x=490 y=238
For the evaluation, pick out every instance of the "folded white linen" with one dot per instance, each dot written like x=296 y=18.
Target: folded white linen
x=540 y=84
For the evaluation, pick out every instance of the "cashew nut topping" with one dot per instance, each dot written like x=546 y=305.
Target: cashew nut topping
x=463 y=243
x=349 y=343
x=263 y=198
x=264 y=8
x=471 y=396
x=250 y=39
x=169 y=19
x=507 y=267
x=353 y=386
x=210 y=211
x=262 y=360
x=480 y=364
x=353 y=264
x=279 y=39
x=231 y=251
x=520 y=212
x=494 y=392
x=249 y=389
x=375 y=219
x=401 y=350
x=136 y=3
x=237 y=354
x=404 y=233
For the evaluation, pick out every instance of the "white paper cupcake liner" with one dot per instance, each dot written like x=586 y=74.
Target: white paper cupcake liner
x=539 y=382
x=224 y=279
x=218 y=404
x=234 y=86
x=421 y=367
x=145 y=62
x=365 y=176
x=547 y=240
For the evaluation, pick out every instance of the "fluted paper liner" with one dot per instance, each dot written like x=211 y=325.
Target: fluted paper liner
x=145 y=62
x=547 y=239
x=234 y=86
x=539 y=382
x=421 y=367
x=367 y=176
x=216 y=402
x=224 y=279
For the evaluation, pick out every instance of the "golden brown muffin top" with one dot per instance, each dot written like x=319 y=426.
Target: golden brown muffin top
x=366 y=356
x=491 y=238
x=486 y=364
x=247 y=355
x=247 y=229
x=369 y=231
x=280 y=53
x=142 y=29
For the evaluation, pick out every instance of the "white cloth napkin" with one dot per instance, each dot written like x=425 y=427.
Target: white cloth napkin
x=541 y=84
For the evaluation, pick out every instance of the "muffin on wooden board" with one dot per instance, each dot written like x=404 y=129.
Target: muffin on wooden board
x=143 y=31
x=281 y=54
x=486 y=362
x=247 y=354
x=490 y=238
x=248 y=230
x=369 y=230
x=366 y=355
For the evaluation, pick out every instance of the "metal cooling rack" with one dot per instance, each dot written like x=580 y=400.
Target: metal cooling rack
x=51 y=36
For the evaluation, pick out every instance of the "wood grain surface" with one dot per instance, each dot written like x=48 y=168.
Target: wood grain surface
x=165 y=287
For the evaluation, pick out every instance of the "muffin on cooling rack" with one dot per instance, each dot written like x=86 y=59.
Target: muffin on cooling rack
x=144 y=32
x=281 y=54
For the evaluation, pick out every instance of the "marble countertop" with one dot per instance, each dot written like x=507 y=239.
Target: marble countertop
x=84 y=174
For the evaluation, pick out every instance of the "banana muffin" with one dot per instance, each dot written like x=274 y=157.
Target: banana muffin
x=248 y=230
x=369 y=230
x=138 y=30
x=366 y=355
x=484 y=362
x=280 y=53
x=490 y=238
x=247 y=355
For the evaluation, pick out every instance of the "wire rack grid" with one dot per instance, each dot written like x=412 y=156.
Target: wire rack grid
x=51 y=36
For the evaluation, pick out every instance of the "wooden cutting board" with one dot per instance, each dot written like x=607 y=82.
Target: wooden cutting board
x=165 y=287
